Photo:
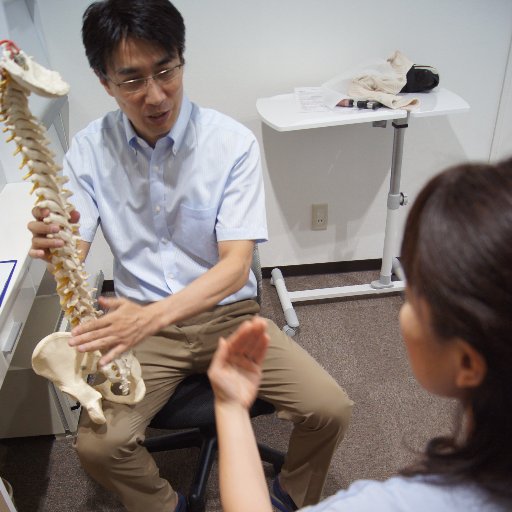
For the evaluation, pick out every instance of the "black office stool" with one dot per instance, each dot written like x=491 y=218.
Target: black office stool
x=191 y=407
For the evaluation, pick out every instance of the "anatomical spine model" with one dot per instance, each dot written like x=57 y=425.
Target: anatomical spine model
x=53 y=358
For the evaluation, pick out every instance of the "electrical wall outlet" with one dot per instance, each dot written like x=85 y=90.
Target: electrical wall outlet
x=319 y=216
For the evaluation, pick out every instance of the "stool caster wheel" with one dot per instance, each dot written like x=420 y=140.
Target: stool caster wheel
x=196 y=503
x=290 y=331
x=277 y=468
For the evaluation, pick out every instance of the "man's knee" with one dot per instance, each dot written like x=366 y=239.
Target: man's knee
x=101 y=450
x=327 y=409
x=89 y=450
x=335 y=408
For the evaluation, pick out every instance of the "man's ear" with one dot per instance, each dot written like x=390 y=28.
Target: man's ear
x=472 y=366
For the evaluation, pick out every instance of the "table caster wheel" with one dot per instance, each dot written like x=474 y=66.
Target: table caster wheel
x=289 y=330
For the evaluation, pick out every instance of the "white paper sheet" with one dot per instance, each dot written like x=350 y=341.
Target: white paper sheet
x=311 y=99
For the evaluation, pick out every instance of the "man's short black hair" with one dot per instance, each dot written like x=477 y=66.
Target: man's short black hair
x=108 y=22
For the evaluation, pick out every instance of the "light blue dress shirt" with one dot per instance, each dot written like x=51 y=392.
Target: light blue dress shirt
x=400 y=494
x=163 y=209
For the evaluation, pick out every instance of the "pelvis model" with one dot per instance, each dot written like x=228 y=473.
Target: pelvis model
x=53 y=358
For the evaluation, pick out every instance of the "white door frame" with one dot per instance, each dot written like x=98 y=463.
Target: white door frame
x=501 y=146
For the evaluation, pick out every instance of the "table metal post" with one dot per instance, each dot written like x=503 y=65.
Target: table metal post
x=395 y=200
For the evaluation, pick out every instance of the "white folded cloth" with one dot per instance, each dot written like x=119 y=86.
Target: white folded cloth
x=380 y=81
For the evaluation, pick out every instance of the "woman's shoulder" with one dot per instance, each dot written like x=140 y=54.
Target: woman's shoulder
x=401 y=494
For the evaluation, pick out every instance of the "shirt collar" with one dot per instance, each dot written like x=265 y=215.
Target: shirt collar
x=131 y=137
x=175 y=135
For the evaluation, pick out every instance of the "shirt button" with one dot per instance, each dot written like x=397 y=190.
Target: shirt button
x=170 y=276
x=157 y=208
x=163 y=240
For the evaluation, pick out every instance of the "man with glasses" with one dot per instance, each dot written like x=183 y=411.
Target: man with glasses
x=179 y=194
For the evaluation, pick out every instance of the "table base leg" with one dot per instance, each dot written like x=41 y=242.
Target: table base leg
x=292 y=322
x=287 y=298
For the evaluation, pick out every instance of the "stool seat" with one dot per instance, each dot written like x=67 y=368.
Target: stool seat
x=192 y=406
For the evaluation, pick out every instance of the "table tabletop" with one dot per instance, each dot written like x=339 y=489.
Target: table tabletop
x=282 y=112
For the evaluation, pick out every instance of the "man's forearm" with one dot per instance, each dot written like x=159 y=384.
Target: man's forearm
x=228 y=276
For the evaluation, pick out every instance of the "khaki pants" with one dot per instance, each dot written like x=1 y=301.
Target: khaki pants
x=293 y=381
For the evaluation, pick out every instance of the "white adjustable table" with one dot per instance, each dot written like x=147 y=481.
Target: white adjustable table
x=282 y=114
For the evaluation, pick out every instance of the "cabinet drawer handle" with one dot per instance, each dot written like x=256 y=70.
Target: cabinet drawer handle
x=9 y=342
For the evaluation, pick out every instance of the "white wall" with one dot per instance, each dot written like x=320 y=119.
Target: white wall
x=238 y=51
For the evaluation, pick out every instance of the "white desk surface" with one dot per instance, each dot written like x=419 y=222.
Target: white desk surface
x=282 y=112
x=16 y=205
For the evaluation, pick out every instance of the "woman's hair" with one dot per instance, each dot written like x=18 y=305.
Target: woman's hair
x=457 y=255
x=108 y=22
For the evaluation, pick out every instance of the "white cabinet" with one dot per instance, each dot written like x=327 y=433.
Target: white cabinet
x=15 y=207
x=30 y=404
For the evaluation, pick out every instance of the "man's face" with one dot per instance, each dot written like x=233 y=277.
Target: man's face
x=154 y=108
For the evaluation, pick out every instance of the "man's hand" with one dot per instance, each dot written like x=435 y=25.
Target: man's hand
x=123 y=326
x=235 y=370
x=41 y=243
